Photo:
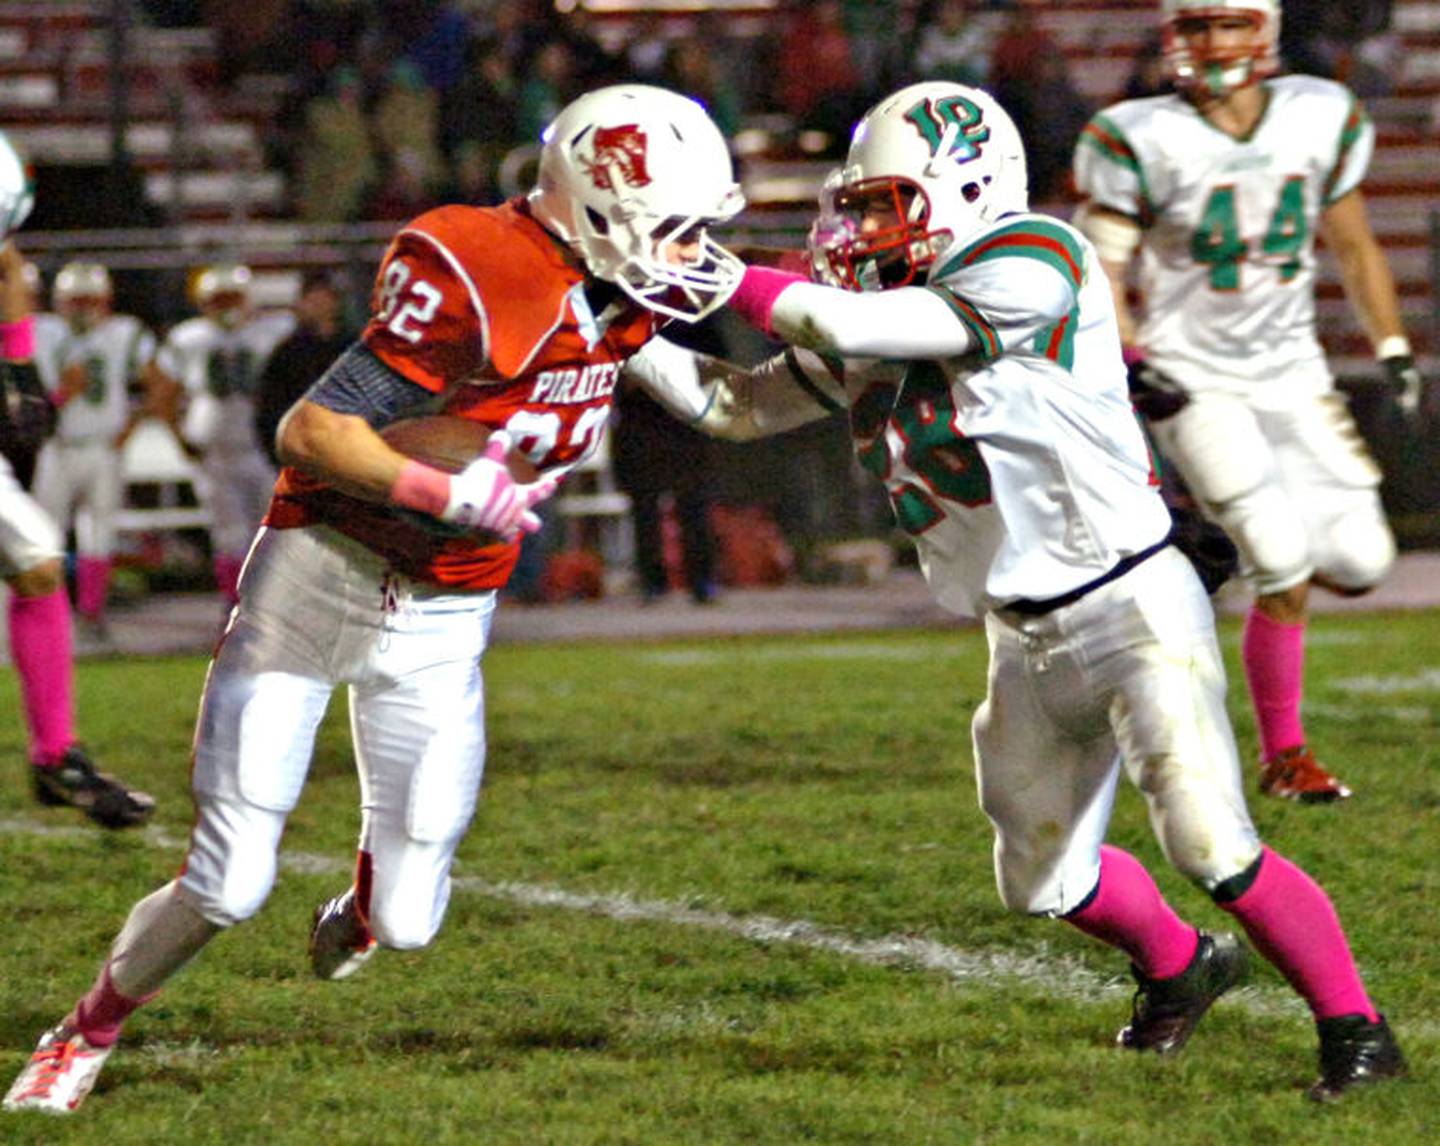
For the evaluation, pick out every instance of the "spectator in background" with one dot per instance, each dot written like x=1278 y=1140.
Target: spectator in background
x=433 y=37
x=1349 y=42
x=549 y=85
x=474 y=176
x=335 y=162
x=953 y=42
x=405 y=124
x=646 y=49
x=320 y=334
x=691 y=69
x=1148 y=75
x=873 y=26
x=1030 y=77
x=480 y=109
x=402 y=190
x=817 y=82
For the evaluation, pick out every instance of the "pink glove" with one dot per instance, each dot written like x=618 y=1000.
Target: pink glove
x=755 y=297
x=482 y=497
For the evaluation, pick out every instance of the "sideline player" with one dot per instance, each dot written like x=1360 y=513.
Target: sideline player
x=31 y=558
x=520 y=318
x=1222 y=187
x=981 y=366
x=90 y=360
x=210 y=368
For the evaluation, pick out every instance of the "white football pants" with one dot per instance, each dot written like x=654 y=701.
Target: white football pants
x=1130 y=674
x=69 y=475
x=1295 y=488
x=318 y=610
x=239 y=480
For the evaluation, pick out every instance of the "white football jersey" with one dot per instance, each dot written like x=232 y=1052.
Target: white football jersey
x=112 y=353
x=1228 y=258
x=1020 y=470
x=225 y=366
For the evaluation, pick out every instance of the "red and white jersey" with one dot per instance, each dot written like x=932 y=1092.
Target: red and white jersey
x=1228 y=261
x=480 y=306
x=112 y=353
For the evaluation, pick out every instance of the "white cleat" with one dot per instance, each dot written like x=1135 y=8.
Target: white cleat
x=340 y=943
x=59 y=1074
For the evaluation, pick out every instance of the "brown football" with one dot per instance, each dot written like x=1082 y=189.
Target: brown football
x=449 y=443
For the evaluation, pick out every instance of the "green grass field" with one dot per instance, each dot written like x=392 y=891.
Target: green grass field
x=730 y=891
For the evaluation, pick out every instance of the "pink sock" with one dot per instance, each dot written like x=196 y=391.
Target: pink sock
x=92 y=584
x=227 y=575
x=1127 y=911
x=103 y=1011
x=1274 y=656
x=40 y=648
x=1292 y=923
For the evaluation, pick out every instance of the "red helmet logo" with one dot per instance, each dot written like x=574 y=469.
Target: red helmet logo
x=619 y=153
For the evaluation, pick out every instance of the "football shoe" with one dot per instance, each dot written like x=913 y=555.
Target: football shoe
x=1295 y=774
x=59 y=1075
x=1166 y=1011
x=76 y=782
x=340 y=943
x=1355 y=1052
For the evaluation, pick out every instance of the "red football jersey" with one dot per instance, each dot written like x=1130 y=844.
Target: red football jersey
x=480 y=306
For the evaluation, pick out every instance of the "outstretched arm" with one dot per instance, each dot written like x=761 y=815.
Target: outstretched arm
x=908 y=322
x=733 y=402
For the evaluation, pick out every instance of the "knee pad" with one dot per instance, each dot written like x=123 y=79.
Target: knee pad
x=1356 y=551
x=1205 y=837
x=407 y=922
x=1274 y=547
x=230 y=867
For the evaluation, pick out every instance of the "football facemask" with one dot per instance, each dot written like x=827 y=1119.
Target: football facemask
x=1199 y=64
x=17 y=189
x=927 y=167
x=630 y=178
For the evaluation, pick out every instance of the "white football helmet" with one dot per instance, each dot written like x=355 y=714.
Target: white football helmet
x=627 y=169
x=949 y=160
x=223 y=293
x=17 y=189
x=82 y=294
x=1216 y=71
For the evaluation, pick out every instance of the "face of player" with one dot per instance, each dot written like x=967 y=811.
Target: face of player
x=227 y=308
x=1220 y=42
x=887 y=249
x=682 y=248
x=84 y=313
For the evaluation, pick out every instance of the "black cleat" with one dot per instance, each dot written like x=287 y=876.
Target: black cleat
x=340 y=941
x=75 y=782
x=1167 y=1011
x=1354 y=1052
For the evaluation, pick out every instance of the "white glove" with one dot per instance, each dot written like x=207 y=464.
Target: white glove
x=484 y=497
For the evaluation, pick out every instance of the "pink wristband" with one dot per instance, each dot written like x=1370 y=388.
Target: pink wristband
x=1131 y=355
x=421 y=487
x=755 y=297
x=17 y=339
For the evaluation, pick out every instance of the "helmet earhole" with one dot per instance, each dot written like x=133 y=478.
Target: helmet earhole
x=598 y=221
x=971 y=191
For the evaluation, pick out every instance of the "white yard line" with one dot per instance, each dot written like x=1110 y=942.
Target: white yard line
x=1059 y=975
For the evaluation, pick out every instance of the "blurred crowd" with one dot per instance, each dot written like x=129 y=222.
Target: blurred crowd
x=394 y=106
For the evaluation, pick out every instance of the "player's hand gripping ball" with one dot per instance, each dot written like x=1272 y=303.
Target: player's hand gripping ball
x=492 y=488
